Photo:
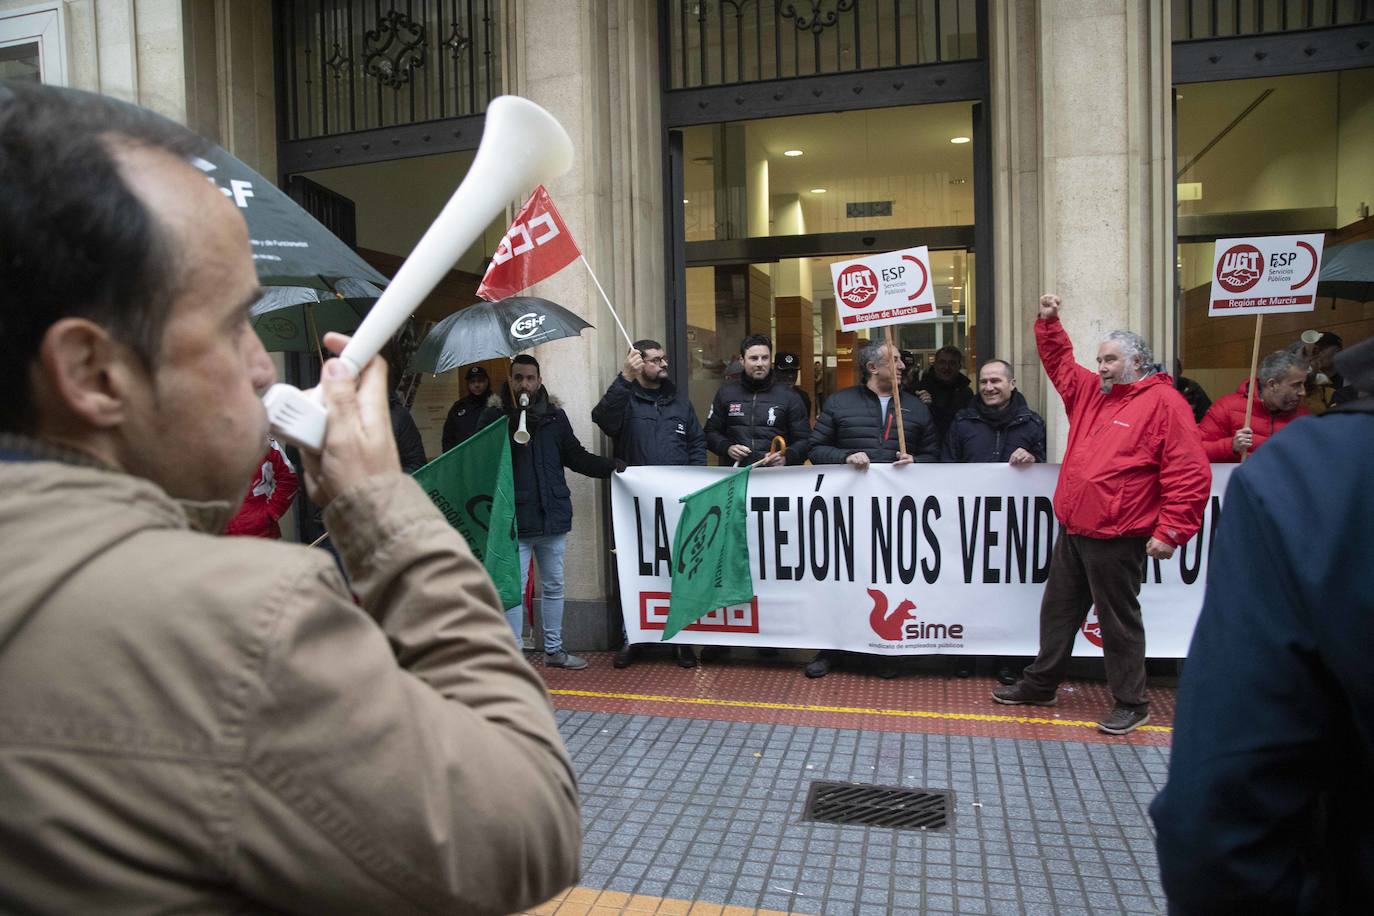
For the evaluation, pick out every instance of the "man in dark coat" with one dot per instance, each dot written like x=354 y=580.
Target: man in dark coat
x=650 y=424
x=1267 y=807
x=857 y=427
x=543 y=503
x=787 y=367
x=998 y=427
x=944 y=388
x=462 y=418
x=747 y=414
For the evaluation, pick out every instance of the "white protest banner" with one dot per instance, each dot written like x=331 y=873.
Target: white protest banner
x=922 y=559
x=881 y=289
x=1266 y=276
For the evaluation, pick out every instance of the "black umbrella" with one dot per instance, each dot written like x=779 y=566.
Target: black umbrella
x=290 y=247
x=295 y=318
x=489 y=330
x=1348 y=271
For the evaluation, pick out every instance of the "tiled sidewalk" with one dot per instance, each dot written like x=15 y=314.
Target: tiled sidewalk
x=711 y=811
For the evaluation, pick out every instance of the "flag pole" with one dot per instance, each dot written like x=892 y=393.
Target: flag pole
x=1254 y=367
x=897 y=394
x=606 y=299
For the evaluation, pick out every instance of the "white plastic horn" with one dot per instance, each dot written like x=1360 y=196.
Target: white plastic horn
x=522 y=433
x=522 y=145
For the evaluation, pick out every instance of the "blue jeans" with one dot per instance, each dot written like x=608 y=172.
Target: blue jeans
x=548 y=551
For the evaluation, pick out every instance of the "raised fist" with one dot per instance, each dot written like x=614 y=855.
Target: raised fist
x=1049 y=306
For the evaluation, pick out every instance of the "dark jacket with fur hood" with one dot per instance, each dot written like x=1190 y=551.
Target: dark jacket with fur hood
x=543 y=503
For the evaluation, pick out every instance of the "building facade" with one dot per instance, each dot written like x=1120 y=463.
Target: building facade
x=730 y=150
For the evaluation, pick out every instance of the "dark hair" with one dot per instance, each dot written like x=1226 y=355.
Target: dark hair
x=754 y=340
x=643 y=346
x=1011 y=375
x=524 y=359
x=951 y=348
x=75 y=241
x=1328 y=339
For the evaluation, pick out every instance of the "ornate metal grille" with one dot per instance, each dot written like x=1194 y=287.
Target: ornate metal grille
x=1193 y=19
x=722 y=42
x=353 y=65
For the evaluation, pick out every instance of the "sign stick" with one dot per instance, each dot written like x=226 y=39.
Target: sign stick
x=1254 y=367
x=606 y=299
x=897 y=395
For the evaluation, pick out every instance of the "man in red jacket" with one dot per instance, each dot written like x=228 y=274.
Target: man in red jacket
x=1133 y=484
x=1278 y=401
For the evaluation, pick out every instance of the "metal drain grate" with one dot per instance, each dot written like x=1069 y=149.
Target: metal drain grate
x=877 y=806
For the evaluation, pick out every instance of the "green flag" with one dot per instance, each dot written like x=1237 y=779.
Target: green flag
x=473 y=486
x=710 y=553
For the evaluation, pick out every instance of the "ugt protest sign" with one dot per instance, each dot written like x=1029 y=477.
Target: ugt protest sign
x=1265 y=276
x=882 y=289
x=922 y=559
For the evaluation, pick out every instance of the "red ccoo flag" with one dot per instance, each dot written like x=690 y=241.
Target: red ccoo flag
x=536 y=246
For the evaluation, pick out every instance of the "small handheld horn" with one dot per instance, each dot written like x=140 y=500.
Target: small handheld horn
x=522 y=433
x=522 y=145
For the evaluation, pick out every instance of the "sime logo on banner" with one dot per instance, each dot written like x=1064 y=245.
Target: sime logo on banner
x=922 y=559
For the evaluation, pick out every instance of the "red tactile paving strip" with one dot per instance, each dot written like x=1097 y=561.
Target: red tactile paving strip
x=749 y=689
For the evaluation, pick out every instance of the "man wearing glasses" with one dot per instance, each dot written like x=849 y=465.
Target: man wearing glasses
x=650 y=424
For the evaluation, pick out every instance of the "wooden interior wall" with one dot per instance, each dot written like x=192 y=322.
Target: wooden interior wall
x=796 y=334
x=760 y=295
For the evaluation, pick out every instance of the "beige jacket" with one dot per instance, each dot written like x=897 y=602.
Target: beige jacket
x=193 y=723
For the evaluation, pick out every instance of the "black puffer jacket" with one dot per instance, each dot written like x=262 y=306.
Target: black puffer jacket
x=408 y=442
x=543 y=503
x=853 y=421
x=650 y=426
x=981 y=434
x=751 y=413
x=946 y=398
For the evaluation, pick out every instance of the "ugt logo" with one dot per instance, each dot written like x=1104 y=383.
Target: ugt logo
x=858 y=287
x=889 y=627
x=1240 y=268
x=525 y=237
x=699 y=540
x=1092 y=628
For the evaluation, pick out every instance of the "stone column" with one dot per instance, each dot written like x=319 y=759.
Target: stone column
x=1082 y=158
x=594 y=65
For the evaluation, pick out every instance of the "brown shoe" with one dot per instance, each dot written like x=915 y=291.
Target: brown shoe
x=1019 y=694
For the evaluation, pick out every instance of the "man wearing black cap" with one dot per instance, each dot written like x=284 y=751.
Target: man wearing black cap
x=462 y=416
x=786 y=366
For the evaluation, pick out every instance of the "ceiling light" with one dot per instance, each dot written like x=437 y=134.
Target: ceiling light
x=792 y=152
x=686 y=201
x=818 y=190
x=958 y=139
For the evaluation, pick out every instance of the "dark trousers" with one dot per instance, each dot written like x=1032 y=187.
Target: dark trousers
x=1085 y=573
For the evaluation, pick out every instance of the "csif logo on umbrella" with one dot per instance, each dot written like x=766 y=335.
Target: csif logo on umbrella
x=527 y=325
x=238 y=191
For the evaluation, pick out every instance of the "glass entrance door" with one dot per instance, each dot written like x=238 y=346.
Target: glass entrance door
x=31 y=46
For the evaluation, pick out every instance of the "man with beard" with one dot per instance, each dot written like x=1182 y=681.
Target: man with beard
x=998 y=427
x=650 y=424
x=747 y=414
x=1133 y=485
x=543 y=503
x=944 y=388
x=1282 y=379
x=462 y=418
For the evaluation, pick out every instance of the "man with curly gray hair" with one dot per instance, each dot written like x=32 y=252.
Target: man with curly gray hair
x=1133 y=484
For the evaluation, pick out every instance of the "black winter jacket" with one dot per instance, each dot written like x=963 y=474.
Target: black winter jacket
x=980 y=434
x=853 y=421
x=946 y=398
x=462 y=418
x=650 y=426
x=543 y=503
x=751 y=414
x=408 y=442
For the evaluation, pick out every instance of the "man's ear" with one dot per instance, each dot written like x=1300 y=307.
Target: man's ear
x=87 y=372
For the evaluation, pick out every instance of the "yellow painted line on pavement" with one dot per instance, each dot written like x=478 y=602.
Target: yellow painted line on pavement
x=847 y=710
